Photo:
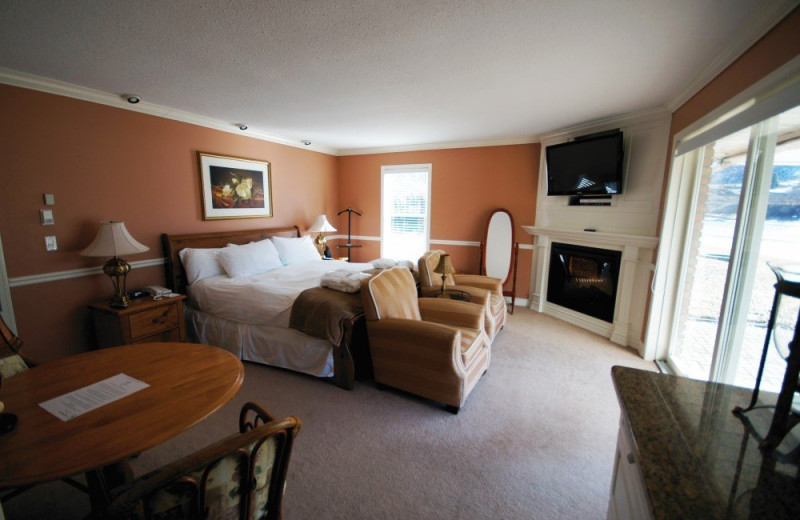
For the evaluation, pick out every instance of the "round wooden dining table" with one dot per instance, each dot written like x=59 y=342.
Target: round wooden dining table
x=186 y=383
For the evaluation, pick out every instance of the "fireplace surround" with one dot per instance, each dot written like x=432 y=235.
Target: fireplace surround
x=633 y=281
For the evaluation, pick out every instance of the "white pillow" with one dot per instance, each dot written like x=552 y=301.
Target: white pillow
x=200 y=263
x=253 y=258
x=293 y=250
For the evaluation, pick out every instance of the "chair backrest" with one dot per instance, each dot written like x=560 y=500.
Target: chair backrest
x=392 y=293
x=427 y=263
x=240 y=477
x=11 y=361
x=252 y=416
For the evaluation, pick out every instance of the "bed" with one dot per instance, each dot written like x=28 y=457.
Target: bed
x=250 y=315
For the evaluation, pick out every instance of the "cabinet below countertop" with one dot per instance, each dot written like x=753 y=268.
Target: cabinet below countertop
x=682 y=453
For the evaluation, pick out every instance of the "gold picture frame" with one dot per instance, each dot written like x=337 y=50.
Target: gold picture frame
x=234 y=187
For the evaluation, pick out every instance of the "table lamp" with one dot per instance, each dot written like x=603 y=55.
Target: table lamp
x=114 y=240
x=445 y=268
x=321 y=225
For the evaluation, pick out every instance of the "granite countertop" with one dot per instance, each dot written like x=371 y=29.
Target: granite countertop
x=698 y=459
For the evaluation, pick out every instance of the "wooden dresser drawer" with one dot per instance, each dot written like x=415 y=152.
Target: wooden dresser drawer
x=144 y=320
x=152 y=321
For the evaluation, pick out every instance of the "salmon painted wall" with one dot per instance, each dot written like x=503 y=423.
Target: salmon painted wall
x=107 y=163
x=466 y=185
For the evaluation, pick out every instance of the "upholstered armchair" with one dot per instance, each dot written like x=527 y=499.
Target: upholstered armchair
x=483 y=290
x=430 y=347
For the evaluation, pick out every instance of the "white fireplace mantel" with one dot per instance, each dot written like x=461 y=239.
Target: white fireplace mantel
x=596 y=238
x=632 y=284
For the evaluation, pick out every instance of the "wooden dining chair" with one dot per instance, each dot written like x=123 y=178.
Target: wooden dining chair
x=242 y=476
x=12 y=361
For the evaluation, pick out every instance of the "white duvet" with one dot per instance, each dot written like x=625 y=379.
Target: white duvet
x=263 y=299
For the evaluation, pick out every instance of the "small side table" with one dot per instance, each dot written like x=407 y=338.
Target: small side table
x=456 y=294
x=143 y=321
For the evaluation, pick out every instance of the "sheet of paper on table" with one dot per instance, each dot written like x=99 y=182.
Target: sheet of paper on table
x=88 y=398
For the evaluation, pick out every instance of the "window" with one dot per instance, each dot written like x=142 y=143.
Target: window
x=405 y=211
x=732 y=210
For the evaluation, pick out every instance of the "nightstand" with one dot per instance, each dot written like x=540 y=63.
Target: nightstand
x=143 y=321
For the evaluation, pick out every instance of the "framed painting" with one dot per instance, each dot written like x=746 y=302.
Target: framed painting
x=234 y=187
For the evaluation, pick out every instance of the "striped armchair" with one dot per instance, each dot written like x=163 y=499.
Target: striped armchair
x=483 y=290
x=429 y=347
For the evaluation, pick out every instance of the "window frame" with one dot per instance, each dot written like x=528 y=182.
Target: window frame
x=398 y=169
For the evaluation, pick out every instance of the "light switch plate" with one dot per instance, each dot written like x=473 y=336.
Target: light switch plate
x=47 y=217
x=49 y=199
x=50 y=243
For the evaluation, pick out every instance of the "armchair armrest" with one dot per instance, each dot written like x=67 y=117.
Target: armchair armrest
x=494 y=285
x=450 y=312
x=476 y=294
x=421 y=343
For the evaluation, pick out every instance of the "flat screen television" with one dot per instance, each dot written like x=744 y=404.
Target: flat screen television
x=586 y=166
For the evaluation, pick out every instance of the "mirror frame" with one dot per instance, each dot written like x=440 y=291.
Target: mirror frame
x=514 y=253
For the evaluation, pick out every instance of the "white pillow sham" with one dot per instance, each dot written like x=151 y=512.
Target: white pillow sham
x=200 y=263
x=294 y=250
x=249 y=259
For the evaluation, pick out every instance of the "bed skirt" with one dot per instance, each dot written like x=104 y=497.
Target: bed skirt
x=270 y=345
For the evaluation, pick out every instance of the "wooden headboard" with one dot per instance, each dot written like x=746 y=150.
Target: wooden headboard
x=173 y=244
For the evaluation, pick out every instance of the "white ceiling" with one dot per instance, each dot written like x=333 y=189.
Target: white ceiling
x=351 y=75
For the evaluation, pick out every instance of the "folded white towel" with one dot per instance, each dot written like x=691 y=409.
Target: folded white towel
x=388 y=263
x=344 y=281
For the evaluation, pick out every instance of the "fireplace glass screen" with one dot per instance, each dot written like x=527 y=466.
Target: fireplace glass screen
x=584 y=279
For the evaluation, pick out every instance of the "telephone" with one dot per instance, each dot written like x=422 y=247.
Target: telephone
x=158 y=292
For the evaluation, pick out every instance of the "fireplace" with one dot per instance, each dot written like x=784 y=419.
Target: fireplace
x=584 y=279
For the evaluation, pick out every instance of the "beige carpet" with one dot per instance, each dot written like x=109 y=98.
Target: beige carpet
x=535 y=439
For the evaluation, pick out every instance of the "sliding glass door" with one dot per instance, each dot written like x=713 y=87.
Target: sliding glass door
x=743 y=212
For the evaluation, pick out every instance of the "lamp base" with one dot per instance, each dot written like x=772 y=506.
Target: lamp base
x=119 y=302
x=117 y=269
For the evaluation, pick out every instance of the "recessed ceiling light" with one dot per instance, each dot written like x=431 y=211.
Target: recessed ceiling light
x=133 y=99
x=242 y=127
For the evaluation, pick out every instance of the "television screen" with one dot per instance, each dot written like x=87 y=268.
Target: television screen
x=586 y=166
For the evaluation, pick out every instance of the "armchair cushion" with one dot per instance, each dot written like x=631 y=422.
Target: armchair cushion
x=12 y=365
x=451 y=312
x=495 y=285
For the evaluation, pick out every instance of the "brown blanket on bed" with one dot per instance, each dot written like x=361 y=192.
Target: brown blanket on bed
x=322 y=313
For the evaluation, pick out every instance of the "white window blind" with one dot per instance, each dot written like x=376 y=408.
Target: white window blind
x=405 y=208
x=771 y=96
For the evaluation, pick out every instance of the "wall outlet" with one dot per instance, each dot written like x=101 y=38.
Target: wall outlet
x=50 y=243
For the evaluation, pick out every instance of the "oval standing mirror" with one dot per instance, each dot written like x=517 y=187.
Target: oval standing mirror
x=499 y=250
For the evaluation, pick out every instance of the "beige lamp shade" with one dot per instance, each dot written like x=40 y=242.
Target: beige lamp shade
x=445 y=266
x=113 y=240
x=321 y=225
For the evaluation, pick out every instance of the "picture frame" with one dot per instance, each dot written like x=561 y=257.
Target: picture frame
x=234 y=187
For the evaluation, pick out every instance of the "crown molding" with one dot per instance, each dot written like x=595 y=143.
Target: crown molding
x=440 y=146
x=653 y=115
x=768 y=16
x=60 y=88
